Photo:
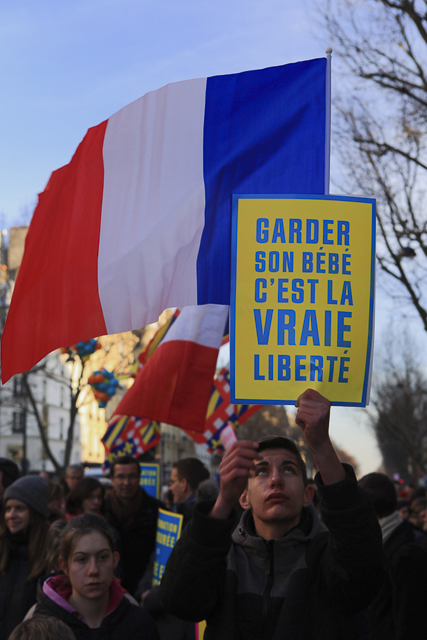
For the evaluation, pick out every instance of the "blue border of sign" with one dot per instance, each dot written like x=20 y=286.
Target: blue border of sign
x=234 y=222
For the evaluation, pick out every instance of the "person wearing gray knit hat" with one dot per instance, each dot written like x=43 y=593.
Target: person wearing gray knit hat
x=23 y=540
x=33 y=491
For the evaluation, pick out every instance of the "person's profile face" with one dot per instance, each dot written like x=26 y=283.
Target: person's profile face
x=177 y=486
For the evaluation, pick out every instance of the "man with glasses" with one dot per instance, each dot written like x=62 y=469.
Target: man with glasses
x=133 y=513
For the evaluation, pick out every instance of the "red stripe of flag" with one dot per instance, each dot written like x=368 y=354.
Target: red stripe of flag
x=58 y=277
x=174 y=387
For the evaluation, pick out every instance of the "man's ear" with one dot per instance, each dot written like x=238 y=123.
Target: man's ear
x=308 y=495
x=116 y=557
x=244 y=501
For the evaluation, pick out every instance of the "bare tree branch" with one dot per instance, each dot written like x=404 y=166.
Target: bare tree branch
x=41 y=426
x=382 y=128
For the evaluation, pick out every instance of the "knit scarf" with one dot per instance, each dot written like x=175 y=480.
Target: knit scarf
x=389 y=524
x=126 y=512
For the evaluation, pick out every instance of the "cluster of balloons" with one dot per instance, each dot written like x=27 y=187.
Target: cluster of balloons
x=83 y=349
x=104 y=385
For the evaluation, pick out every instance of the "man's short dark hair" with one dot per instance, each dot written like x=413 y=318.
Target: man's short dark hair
x=192 y=470
x=123 y=460
x=382 y=493
x=280 y=442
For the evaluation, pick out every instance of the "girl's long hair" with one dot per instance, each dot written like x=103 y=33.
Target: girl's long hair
x=37 y=532
x=81 y=491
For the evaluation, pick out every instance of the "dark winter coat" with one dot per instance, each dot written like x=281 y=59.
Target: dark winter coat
x=137 y=539
x=186 y=509
x=308 y=585
x=17 y=595
x=398 y=612
x=126 y=621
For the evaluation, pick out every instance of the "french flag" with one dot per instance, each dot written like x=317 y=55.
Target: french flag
x=176 y=383
x=140 y=219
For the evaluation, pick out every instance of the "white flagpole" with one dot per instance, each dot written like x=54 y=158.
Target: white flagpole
x=328 y=120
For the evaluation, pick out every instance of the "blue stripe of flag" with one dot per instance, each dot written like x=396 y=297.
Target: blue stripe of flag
x=264 y=132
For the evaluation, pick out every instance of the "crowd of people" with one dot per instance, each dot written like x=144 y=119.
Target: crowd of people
x=266 y=553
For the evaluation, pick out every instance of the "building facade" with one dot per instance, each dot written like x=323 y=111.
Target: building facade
x=20 y=437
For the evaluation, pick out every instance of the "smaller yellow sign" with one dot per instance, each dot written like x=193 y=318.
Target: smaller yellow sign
x=169 y=527
x=302 y=298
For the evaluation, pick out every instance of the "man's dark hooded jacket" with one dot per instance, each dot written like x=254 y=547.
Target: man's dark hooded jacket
x=398 y=611
x=308 y=585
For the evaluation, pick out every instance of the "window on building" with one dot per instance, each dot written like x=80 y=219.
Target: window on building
x=44 y=390
x=61 y=401
x=18 y=387
x=61 y=428
x=18 y=422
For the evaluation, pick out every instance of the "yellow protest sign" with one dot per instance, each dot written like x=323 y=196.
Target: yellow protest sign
x=169 y=527
x=302 y=298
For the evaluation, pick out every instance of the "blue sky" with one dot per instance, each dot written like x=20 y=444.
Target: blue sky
x=66 y=66
x=69 y=66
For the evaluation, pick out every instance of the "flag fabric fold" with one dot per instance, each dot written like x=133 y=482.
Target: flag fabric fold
x=175 y=384
x=139 y=220
x=221 y=412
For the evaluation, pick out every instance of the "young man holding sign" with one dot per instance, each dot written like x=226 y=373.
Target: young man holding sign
x=280 y=573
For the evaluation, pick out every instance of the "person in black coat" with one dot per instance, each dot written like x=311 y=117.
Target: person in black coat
x=133 y=513
x=23 y=531
x=398 y=611
x=87 y=597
